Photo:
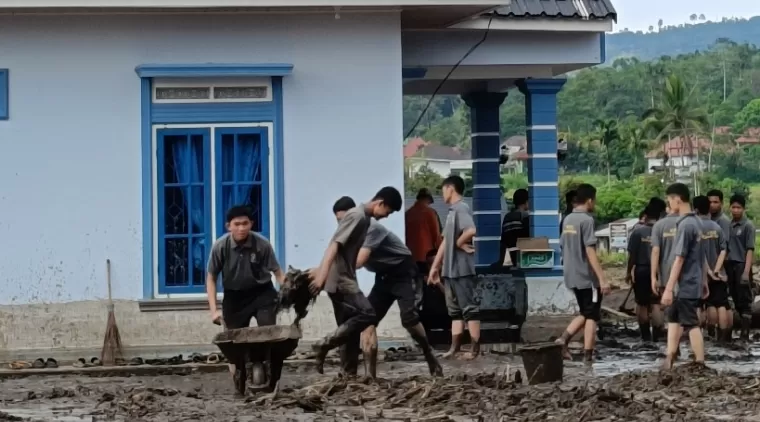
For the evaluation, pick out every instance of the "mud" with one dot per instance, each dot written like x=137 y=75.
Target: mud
x=488 y=389
x=295 y=293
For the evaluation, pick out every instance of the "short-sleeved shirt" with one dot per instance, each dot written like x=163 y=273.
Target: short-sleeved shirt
x=724 y=222
x=663 y=237
x=688 y=245
x=577 y=234
x=243 y=265
x=713 y=241
x=640 y=245
x=350 y=236
x=456 y=262
x=387 y=251
x=741 y=240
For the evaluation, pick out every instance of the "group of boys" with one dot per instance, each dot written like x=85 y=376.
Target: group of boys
x=246 y=261
x=688 y=261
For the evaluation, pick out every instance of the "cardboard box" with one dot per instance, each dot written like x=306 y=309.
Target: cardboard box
x=535 y=253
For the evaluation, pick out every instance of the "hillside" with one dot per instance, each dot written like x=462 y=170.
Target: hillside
x=682 y=39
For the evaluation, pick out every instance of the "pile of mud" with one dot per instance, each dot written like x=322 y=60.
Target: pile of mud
x=690 y=393
x=295 y=293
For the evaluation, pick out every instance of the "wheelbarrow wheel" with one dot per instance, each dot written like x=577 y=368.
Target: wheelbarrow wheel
x=239 y=379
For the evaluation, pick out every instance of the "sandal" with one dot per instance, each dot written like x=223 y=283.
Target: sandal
x=137 y=361
x=19 y=364
x=38 y=363
x=197 y=358
x=51 y=363
x=213 y=359
x=81 y=363
x=96 y=362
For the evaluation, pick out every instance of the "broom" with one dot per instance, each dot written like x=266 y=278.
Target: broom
x=112 y=341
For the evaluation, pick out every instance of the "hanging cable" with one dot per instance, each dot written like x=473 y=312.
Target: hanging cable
x=446 y=78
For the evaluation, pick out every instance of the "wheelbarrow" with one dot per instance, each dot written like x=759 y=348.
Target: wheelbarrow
x=258 y=354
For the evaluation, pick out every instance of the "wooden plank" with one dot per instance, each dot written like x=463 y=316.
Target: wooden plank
x=616 y=313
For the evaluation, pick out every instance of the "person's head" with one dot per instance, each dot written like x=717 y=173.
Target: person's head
x=342 y=205
x=570 y=198
x=701 y=204
x=678 y=197
x=643 y=216
x=520 y=199
x=658 y=205
x=585 y=196
x=239 y=222
x=453 y=188
x=738 y=203
x=385 y=202
x=652 y=213
x=716 y=201
x=425 y=196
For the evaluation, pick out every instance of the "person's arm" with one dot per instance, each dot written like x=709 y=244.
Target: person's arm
x=467 y=224
x=375 y=236
x=348 y=224
x=654 y=258
x=213 y=268
x=436 y=266
x=270 y=263
x=723 y=246
x=589 y=242
x=434 y=228
x=684 y=237
x=749 y=243
x=633 y=247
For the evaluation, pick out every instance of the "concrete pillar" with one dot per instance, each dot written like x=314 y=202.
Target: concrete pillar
x=543 y=168
x=486 y=177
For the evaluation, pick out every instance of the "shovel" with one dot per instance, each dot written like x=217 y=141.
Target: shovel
x=622 y=307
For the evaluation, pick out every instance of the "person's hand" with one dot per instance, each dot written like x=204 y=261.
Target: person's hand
x=655 y=290
x=216 y=317
x=745 y=277
x=317 y=281
x=720 y=275
x=629 y=278
x=667 y=297
x=711 y=274
x=434 y=277
x=605 y=287
x=705 y=291
x=467 y=248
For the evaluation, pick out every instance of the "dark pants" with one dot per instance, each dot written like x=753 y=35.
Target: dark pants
x=684 y=312
x=589 y=303
x=401 y=285
x=741 y=291
x=642 y=285
x=353 y=313
x=718 y=297
x=461 y=300
x=240 y=306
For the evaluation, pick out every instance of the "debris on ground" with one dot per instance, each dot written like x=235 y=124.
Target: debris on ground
x=295 y=293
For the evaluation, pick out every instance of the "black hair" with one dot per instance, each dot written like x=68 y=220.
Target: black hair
x=391 y=197
x=424 y=193
x=653 y=213
x=738 y=199
x=715 y=192
x=680 y=190
x=657 y=204
x=570 y=197
x=584 y=193
x=345 y=203
x=239 y=211
x=455 y=181
x=520 y=197
x=643 y=213
x=701 y=203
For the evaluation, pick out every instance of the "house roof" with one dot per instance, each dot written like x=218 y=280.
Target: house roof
x=440 y=152
x=412 y=146
x=678 y=147
x=516 y=141
x=569 y=9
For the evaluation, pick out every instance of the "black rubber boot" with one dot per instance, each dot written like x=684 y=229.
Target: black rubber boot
x=418 y=335
x=646 y=332
x=711 y=331
x=746 y=325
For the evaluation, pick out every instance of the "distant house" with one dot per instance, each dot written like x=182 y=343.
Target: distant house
x=438 y=158
x=679 y=155
x=442 y=209
x=515 y=148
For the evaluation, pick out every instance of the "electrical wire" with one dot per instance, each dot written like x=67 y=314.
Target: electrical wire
x=446 y=78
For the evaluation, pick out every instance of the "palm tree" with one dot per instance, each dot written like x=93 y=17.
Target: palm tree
x=636 y=143
x=651 y=28
x=607 y=132
x=659 y=24
x=677 y=116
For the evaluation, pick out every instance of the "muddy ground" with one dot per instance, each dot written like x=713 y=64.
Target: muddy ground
x=485 y=390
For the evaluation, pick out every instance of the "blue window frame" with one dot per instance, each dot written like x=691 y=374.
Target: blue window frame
x=183 y=193
x=4 y=98
x=242 y=174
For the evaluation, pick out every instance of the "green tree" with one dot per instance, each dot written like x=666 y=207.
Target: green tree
x=748 y=117
x=607 y=133
x=424 y=177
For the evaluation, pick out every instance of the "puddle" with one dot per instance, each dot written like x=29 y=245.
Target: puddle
x=54 y=414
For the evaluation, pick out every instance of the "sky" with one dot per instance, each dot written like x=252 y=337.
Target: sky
x=640 y=14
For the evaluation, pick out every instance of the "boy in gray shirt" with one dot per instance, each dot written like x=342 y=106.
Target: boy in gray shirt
x=583 y=272
x=663 y=239
x=396 y=280
x=714 y=247
x=337 y=273
x=689 y=273
x=456 y=256
x=638 y=274
x=741 y=247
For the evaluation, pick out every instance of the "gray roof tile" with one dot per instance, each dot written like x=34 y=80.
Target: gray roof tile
x=592 y=9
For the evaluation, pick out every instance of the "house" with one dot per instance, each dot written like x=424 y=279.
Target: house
x=128 y=127
x=441 y=159
x=679 y=155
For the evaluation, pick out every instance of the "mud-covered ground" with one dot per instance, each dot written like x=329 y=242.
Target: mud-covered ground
x=484 y=390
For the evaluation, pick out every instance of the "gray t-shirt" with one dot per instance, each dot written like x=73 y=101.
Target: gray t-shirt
x=688 y=245
x=350 y=235
x=724 y=222
x=386 y=249
x=713 y=242
x=456 y=262
x=741 y=240
x=243 y=265
x=640 y=245
x=663 y=237
x=578 y=234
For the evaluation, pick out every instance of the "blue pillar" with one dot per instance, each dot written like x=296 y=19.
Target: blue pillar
x=486 y=178
x=543 y=168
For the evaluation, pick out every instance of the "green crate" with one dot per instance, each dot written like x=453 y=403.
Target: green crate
x=537 y=258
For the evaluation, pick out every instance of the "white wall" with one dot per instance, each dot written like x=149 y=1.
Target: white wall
x=70 y=167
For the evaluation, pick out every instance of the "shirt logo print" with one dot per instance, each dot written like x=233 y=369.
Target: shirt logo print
x=253 y=258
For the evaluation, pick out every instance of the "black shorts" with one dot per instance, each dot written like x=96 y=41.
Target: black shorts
x=740 y=291
x=718 y=297
x=684 y=312
x=403 y=286
x=240 y=306
x=642 y=286
x=461 y=298
x=589 y=308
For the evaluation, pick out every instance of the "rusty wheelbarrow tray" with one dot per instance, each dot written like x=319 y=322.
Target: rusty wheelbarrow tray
x=258 y=353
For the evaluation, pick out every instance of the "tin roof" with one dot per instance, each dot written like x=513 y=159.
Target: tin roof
x=578 y=9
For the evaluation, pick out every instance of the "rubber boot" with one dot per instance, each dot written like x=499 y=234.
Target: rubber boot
x=711 y=331
x=418 y=335
x=719 y=335
x=588 y=356
x=746 y=325
x=323 y=346
x=456 y=344
x=349 y=361
x=656 y=334
x=646 y=332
